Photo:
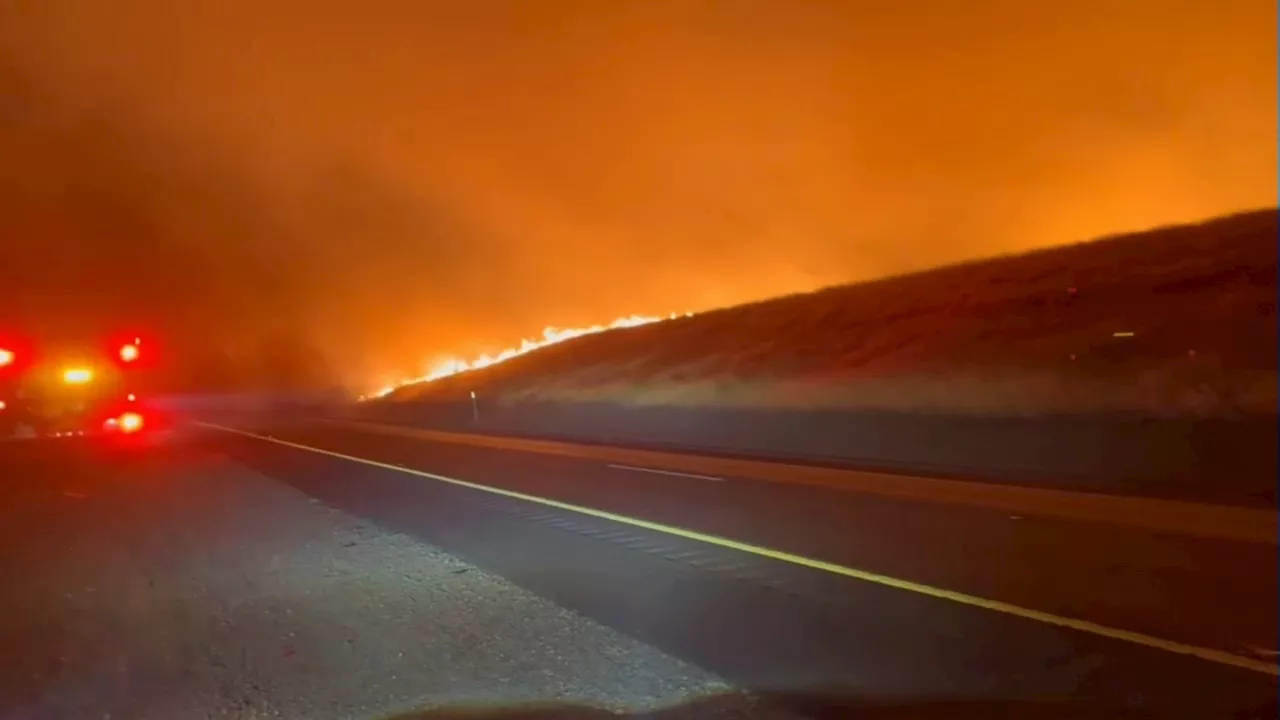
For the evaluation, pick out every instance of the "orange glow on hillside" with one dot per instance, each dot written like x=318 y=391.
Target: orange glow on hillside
x=550 y=336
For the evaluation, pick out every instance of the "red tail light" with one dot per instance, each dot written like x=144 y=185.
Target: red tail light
x=7 y=357
x=129 y=353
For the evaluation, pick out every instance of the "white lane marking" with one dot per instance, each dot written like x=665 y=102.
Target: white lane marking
x=666 y=472
x=1213 y=655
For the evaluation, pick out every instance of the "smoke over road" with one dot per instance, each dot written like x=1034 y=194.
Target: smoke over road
x=397 y=180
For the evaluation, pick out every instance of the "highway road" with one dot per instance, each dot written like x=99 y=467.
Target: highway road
x=295 y=569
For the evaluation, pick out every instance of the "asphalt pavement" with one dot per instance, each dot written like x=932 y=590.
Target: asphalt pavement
x=305 y=571
x=170 y=581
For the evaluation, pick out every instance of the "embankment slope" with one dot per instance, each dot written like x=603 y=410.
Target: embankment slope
x=1143 y=362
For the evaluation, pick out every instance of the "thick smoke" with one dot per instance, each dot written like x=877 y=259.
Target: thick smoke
x=388 y=180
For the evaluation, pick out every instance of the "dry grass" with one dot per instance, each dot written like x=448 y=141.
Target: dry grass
x=1025 y=333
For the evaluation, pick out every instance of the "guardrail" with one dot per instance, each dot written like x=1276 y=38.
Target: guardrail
x=1222 y=461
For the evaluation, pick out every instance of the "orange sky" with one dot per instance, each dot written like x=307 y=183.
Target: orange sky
x=403 y=177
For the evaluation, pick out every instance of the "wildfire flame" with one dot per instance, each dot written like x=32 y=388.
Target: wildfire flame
x=550 y=336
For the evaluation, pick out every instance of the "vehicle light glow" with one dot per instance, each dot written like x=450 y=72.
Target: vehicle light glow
x=129 y=422
x=77 y=375
x=6 y=357
x=129 y=353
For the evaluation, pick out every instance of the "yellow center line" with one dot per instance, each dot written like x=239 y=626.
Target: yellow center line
x=1209 y=654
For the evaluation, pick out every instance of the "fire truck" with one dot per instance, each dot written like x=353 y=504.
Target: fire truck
x=57 y=389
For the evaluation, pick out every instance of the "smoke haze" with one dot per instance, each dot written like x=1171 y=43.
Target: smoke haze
x=399 y=178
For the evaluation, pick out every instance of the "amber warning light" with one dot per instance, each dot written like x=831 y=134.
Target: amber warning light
x=77 y=375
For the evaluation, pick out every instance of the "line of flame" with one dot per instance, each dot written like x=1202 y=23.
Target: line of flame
x=550 y=336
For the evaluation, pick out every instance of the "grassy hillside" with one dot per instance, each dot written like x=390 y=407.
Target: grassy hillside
x=1179 y=320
